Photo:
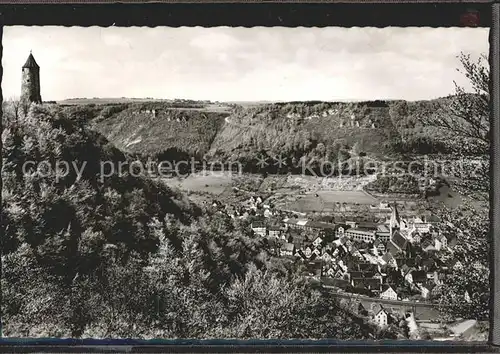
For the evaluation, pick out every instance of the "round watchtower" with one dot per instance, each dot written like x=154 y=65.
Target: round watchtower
x=30 y=88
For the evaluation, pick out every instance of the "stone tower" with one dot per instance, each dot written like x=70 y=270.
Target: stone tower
x=30 y=88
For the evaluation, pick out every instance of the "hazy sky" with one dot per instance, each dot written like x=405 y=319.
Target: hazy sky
x=240 y=64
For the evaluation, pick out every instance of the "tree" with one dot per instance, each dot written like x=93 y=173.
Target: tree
x=466 y=116
x=398 y=112
x=320 y=149
x=463 y=121
x=471 y=228
x=465 y=292
x=356 y=149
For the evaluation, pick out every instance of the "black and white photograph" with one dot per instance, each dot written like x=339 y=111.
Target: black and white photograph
x=245 y=183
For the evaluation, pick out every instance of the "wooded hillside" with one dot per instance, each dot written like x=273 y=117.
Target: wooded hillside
x=297 y=131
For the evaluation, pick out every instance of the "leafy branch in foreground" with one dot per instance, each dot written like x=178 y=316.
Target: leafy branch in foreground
x=466 y=116
x=465 y=293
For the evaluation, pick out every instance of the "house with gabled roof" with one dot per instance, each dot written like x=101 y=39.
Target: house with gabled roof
x=340 y=230
x=379 y=245
x=317 y=252
x=408 y=274
x=313 y=257
x=393 y=276
x=381 y=317
x=425 y=240
x=368 y=267
x=327 y=256
x=308 y=251
x=429 y=264
x=299 y=253
x=380 y=276
x=388 y=293
x=416 y=237
x=432 y=276
x=335 y=282
x=361 y=310
x=389 y=260
x=274 y=231
x=426 y=289
x=350 y=223
x=366 y=284
x=339 y=274
x=438 y=245
x=441 y=240
x=393 y=249
x=297 y=242
x=314 y=267
x=355 y=252
x=375 y=308
x=455 y=264
x=330 y=272
x=404 y=268
x=259 y=228
x=318 y=241
x=340 y=252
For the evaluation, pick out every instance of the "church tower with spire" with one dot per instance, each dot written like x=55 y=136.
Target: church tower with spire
x=395 y=221
x=30 y=88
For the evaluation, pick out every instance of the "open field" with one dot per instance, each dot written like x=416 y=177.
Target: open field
x=80 y=101
x=328 y=201
x=303 y=194
x=203 y=106
x=350 y=197
x=213 y=183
